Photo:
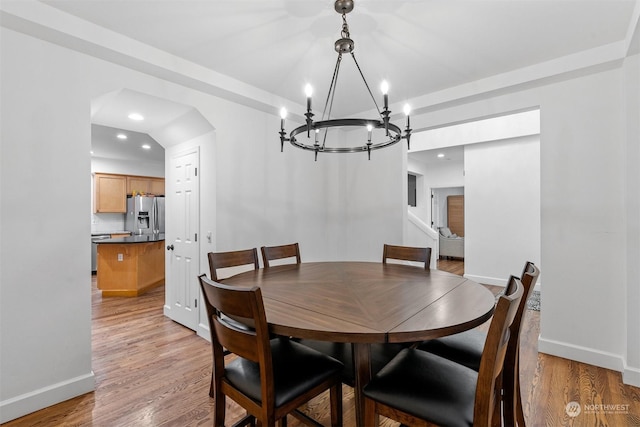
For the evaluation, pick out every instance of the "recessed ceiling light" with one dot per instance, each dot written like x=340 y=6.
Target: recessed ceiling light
x=121 y=136
x=136 y=116
x=146 y=146
x=440 y=155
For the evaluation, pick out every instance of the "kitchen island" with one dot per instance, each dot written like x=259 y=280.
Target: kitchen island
x=129 y=266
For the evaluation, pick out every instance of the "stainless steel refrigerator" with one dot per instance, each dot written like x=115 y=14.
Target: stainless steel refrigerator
x=145 y=214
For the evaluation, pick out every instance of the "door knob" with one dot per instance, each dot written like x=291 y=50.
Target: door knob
x=170 y=247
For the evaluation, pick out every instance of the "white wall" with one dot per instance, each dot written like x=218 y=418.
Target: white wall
x=127 y=167
x=502 y=208
x=631 y=373
x=45 y=286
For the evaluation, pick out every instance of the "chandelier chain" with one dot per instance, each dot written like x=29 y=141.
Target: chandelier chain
x=345 y=27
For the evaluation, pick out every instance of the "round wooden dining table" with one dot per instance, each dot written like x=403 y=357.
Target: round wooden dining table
x=366 y=302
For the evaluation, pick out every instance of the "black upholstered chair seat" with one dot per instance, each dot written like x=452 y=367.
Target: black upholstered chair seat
x=427 y=386
x=464 y=348
x=381 y=354
x=296 y=369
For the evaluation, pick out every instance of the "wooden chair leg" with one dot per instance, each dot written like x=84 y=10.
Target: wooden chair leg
x=335 y=398
x=219 y=410
x=371 y=418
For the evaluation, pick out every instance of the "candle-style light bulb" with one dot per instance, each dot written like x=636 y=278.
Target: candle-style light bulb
x=317 y=132
x=384 y=87
x=283 y=115
x=369 y=130
x=407 y=111
x=308 y=90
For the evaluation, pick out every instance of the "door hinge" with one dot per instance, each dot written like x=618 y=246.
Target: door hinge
x=195 y=303
x=196 y=171
x=196 y=237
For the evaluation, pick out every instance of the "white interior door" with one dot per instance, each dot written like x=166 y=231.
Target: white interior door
x=182 y=240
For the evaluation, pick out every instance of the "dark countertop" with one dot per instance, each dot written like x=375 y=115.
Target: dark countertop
x=136 y=238
x=102 y=233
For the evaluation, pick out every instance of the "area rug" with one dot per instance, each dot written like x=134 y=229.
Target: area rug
x=534 y=301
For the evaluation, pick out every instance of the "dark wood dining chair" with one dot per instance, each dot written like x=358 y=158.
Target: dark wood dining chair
x=418 y=387
x=269 y=378
x=218 y=260
x=466 y=348
x=407 y=253
x=271 y=253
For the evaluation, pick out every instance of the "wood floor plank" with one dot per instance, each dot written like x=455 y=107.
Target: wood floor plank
x=151 y=371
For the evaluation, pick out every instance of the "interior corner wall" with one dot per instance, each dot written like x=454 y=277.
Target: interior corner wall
x=502 y=208
x=582 y=199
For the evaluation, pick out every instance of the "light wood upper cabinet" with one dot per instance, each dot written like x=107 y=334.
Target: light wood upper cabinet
x=146 y=185
x=156 y=186
x=111 y=190
x=110 y=193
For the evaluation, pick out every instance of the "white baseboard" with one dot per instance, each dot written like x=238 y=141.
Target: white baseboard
x=631 y=376
x=27 y=403
x=591 y=356
x=486 y=280
x=203 y=331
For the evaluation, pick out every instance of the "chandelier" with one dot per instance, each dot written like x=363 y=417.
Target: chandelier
x=386 y=133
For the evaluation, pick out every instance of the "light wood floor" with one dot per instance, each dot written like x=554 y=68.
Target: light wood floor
x=151 y=371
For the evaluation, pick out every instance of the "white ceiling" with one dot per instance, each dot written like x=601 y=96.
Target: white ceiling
x=420 y=47
x=106 y=144
x=431 y=157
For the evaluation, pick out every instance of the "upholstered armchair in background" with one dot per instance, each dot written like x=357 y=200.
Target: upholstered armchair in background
x=451 y=245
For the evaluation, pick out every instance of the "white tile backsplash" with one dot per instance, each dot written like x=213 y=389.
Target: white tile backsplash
x=107 y=222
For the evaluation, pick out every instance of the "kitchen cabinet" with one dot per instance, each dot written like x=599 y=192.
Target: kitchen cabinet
x=110 y=193
x=111 y=190
x=145 y=185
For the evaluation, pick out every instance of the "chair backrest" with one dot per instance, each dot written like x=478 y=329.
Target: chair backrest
x=270 y=253
x=232 y=259
x=511 y=381
x=494 y=353
x=407 y=253
x=244 y=305
x=529 y=278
